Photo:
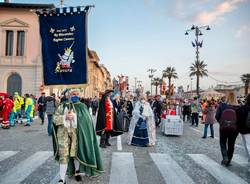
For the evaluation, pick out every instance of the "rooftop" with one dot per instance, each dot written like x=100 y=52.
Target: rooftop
x=25 y=5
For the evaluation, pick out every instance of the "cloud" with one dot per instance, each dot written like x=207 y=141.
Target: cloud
x=215 y=15
x=242 y=30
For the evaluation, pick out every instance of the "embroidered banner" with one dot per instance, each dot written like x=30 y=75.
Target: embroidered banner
x=64 y=46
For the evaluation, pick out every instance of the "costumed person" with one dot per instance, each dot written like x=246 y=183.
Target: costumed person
x=74 y=140
x=41 y=107
x=142 y=126
x=28 y=109
x=7 y=108
x=18 y=103
x=107 y=124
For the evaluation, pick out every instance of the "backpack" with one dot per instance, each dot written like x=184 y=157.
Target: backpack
x=248 y=120
x=228 y=120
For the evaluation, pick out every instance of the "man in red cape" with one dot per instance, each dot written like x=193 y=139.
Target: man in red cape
x=107 y=124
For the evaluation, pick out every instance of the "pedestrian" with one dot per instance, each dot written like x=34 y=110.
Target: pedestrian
x=94 y=105
x=107 y=124
x=50 y=106
x=243 y=124
x=226 y=116
x=74 y=140
x=117 y=103
x=157 y=110
x=209 y=112
x=186 y=111
x=195 y=109
x=28 y=109
x=142 y=126
x=41 y=107
x=12 y=113
x=18 y=103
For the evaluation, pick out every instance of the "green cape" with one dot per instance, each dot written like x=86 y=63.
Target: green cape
x=88 y=152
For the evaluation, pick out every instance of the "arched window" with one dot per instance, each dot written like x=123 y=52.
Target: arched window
x=14 y=84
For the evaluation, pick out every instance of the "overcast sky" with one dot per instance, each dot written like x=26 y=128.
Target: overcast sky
x=131 y=36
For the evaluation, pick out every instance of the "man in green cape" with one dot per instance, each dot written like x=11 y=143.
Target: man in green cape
x=74 y=140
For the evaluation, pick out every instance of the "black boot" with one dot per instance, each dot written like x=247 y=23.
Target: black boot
x=61 y=182
x=102 y=143
x=224 y=161
x=107 y=142
x=77 y=176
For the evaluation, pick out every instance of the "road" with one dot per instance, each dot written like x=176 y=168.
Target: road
x=26 y=157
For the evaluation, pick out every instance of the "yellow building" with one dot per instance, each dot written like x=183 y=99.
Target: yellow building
x=99 y=78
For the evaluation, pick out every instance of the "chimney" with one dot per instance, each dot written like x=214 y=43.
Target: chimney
x=7 y=1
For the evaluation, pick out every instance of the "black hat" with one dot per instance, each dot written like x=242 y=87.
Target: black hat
x=108 y=91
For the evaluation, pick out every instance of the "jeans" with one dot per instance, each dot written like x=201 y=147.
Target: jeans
x=41 y=115
x=227 y=142
x=12 y=118
x=246 y=143
x=211 y=130
x=27 y=112
x=195 y=118
x=50 y=122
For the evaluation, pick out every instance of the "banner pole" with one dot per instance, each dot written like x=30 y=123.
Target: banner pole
x=62 y=3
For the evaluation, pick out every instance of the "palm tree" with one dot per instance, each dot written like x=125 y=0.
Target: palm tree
x=147 y=93
x=246 y=80
x=198 y=69
x=156 y=82
x=169 y=73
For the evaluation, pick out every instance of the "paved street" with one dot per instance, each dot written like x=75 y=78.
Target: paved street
x=26 y=157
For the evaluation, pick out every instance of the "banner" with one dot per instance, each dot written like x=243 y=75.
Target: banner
x=64 y=46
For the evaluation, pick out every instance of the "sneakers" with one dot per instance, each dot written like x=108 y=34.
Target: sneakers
x=212 y=136
x=204 y=137
x=27 y=124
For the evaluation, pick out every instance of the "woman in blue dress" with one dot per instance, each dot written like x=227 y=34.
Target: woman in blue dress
x=142 y=125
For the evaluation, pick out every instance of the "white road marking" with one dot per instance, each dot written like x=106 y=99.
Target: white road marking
x=55 y=179
x=6 y=154
x=18 y=173
x=170 y=169
x=123 y=169
x=242 y=161
x=219 y=172
x=201 y=132
x=119 y=143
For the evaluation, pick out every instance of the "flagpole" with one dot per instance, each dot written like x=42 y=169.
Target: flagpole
x=62 y=3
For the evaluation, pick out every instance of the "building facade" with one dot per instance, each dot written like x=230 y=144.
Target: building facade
x=20 y=54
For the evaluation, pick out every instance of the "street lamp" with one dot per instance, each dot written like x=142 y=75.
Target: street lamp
x=151 y=75
x=197 y=44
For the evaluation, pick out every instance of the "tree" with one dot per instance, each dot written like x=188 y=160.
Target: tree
x=198 y=69
x=169 y=73
x=246 y=80
x=156 y=82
